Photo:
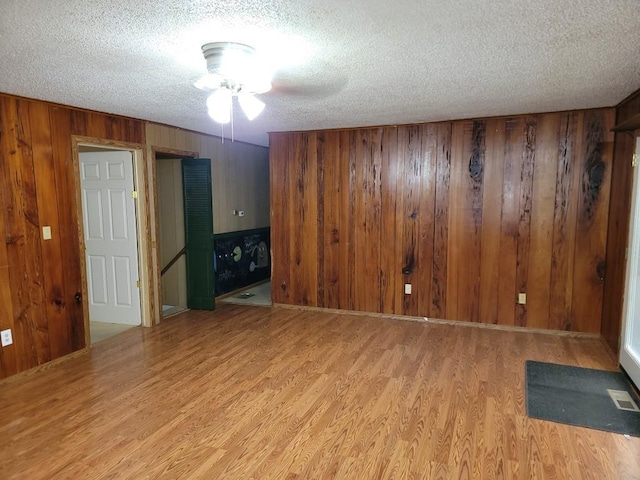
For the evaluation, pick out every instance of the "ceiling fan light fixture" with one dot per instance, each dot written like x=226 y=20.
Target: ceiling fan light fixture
x=228 y=59
x=258 y=83
x=251 y=106
x=234 y=70
x=209 y=82
x=219 y=105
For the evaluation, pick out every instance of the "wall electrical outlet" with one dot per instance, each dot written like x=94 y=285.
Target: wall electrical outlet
x=46 y=232
x=407 y=289
x=6 y=337
x=522 y=298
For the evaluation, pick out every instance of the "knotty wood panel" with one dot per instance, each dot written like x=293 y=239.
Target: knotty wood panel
x=389 y=195
x=565 y=215
x=426 y=219
x=470 y=213
x=280 y=217
x=541 y=226
x=510 y=220
x=618 y=223
x=491 y=218
x=40 y=278
x=438 y=294
x=593 y=209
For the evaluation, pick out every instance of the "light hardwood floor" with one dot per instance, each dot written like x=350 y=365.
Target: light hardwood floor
x=254 y=392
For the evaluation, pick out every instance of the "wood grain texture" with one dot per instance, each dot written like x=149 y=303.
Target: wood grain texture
x=565 y=214
x=275 y=393
x=412 y=185
x=510 y=221
x=491 y=219
x=618 y=224
x=59 y=329
x=438 y=294
x=279 y=218
x=545 y=167
x=470 y=213
x=40 y=278
x=61 y=127
x=593 y=210
x=527 y=166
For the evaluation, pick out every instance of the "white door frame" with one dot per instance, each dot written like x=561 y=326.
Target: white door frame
x=142 y=219
x=631 y=309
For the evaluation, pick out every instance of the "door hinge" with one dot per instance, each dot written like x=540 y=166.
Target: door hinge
x=138 y=284
x=134 y=194
x=634 y=160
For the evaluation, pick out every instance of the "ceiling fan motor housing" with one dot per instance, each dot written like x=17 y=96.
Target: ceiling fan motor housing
x=228 y=59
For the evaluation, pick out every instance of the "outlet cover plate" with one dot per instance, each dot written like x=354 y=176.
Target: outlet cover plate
x=407 y=289
x=7 y=338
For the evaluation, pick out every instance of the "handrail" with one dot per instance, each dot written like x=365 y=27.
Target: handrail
x=173 y=260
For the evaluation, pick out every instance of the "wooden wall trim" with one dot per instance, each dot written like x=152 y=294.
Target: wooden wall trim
x=633 y=97
x=618 y=224
x=438 y=321
x=147 y=281
x=154 y=228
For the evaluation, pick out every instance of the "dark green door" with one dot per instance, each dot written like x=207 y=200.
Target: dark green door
x=198 y=225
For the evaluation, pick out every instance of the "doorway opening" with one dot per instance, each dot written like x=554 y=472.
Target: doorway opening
x=110 y=186
x=171 y=231
x=630 y=344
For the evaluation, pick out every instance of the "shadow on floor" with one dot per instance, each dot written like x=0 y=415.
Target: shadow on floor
x=101 y=330
x=259 y=295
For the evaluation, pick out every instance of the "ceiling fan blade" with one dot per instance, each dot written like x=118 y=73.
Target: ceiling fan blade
x=307 y=88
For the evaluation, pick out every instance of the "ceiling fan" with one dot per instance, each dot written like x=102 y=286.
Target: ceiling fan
x=234 y=70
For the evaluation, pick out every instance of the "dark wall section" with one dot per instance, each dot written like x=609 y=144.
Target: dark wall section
x=241 y=259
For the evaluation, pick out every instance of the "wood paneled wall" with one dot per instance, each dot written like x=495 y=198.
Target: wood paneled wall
x=39 y=279
x=618 y=227
x=239 y=174
x=470 y=213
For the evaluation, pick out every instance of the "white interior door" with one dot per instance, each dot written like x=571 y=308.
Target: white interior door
x=109 y=215
x=630 y=351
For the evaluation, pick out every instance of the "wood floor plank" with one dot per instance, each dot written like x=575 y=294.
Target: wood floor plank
x=278 y=393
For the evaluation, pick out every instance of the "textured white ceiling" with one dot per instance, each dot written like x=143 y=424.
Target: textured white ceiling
x=350 y=63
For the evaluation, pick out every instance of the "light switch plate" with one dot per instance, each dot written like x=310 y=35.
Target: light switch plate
x=407 y=289
x=522 y=298
x=46 y=232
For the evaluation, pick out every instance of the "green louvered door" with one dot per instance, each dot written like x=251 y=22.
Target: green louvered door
x=198 y=225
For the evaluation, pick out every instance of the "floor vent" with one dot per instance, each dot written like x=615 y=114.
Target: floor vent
x=623 y=400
